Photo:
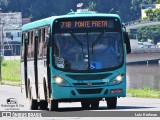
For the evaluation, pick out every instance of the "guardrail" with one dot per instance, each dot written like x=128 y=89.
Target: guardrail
x=131 y=23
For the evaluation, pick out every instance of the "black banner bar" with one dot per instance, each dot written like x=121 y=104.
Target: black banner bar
x=80 y=114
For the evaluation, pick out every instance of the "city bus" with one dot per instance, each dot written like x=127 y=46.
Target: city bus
x=63 y=59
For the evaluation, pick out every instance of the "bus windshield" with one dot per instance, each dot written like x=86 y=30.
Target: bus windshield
x=87 y=50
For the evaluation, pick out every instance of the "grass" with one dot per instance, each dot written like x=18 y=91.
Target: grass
x=145 y=92
x=11 y=70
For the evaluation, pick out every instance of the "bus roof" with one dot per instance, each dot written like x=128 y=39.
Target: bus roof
x=49 y=20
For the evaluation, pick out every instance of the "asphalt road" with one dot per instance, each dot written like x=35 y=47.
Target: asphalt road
x=124 y=104
x=128 y=107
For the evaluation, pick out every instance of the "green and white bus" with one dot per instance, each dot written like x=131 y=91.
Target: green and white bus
x=64 y=59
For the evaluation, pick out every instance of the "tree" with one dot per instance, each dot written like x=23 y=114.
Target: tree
x=128 y=10
x=136 y=7
x=91 y=6
x=3 y=2
x=157 y=14
x=150 y=13
x=3 y=5
x=149 y=32
x=157 y=2
x=153 y=14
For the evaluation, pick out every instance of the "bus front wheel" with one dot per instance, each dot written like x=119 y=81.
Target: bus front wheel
x=85 y=104
x=43 y=105
x=53 y=105
x=94 y=104
x=111 y=102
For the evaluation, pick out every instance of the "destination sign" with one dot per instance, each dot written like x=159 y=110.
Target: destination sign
x=86 y=24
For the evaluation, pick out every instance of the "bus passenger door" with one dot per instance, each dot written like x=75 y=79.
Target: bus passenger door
x=47 y=56
x=36 y=61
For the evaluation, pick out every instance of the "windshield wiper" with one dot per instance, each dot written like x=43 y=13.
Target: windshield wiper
x=77 y=40
x=97 y=39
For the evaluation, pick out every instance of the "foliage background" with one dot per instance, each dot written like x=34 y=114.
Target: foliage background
x=37 y=9
x=129 y=10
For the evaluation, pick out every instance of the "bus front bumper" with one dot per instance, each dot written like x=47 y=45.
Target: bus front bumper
x=59 y=92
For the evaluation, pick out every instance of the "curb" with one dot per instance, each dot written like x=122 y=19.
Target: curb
x=4 y=82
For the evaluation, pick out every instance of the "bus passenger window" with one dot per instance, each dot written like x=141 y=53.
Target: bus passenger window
x=29 y=46
x=40 y=44
x=45 y=33
x=32 y=45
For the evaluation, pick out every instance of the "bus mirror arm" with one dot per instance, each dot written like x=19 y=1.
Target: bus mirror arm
x=127 y=42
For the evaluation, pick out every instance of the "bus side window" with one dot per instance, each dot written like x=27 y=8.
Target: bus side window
x=25 y=40
x=45 y=35
x=32 y=45
x=29 y=46
x=40 y=43
x=36 y=44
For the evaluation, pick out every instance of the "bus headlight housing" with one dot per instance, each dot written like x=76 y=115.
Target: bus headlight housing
x=60 y=81
x=118 y=79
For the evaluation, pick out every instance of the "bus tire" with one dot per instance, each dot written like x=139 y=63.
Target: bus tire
x=111 y=102
x=85 y=104
x=53 y=105
x=43 y=105
x=33 y=103
x=94 y=104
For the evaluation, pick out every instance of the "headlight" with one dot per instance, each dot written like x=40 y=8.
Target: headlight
x=118 y=79
x=60 y=81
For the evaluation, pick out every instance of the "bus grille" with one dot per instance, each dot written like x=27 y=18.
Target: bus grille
x=86 y=84
x=89 y=77
x=89 y=91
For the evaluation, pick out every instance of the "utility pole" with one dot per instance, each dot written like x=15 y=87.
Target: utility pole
x=1 y=45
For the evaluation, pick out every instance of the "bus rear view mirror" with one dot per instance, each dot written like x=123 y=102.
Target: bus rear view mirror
x=127 y=42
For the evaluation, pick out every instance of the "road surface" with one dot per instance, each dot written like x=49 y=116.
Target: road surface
x=124 y=105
